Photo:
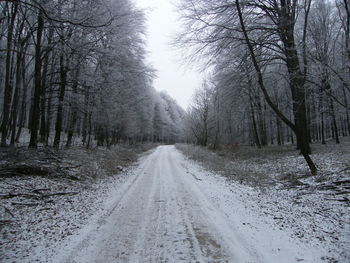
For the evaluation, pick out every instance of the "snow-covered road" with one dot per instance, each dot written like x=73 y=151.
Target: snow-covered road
x=161 y=214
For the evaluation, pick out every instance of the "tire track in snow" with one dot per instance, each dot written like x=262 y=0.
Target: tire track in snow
x=159 y=215
x=72 y=250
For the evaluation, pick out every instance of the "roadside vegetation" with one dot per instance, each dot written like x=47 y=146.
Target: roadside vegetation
x=315 y=208
x=46 y=195
x=77 y=108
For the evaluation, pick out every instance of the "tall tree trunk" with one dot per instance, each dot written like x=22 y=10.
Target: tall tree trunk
x=74 y=108
x=308 y=115
x=334 y=121
x=19 y=81
x=321 y=110
x=8 y=81
x=279 y=133
x=43 y=98
x=85 y=118
x=297 y=81
x=22 y=116
x=48 y=115
x=12 y=81
x=35 y=112
x=271 y=130
x=347 y=47
x=16 y=95
x=59 y=116
x=261 y=122
x=90 y=130
x=314 y=122
x=255 y=128
x=346 y=111
x=49 y=100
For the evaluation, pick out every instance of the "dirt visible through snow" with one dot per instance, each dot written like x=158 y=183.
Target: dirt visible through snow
x=170 y=209
x=163 y=213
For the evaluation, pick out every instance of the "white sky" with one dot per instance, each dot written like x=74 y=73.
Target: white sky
x=177 y=80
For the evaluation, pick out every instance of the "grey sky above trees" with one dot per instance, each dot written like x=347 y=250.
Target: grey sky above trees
x=173 y=75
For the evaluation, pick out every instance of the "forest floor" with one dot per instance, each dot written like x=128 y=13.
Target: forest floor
x=241 y=205
x=46 y=195
x=170 y=209
x=314 y=209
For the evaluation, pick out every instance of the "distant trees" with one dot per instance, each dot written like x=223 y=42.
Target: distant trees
x=168 y=120
x=279 y=69
x=198 y=119
x=74 y=70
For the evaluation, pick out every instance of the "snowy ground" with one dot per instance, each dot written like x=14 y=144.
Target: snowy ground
x=168 y=208
x=314 y=209
x=47 y=195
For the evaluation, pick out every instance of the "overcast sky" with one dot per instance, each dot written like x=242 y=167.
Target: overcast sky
x=176 y=79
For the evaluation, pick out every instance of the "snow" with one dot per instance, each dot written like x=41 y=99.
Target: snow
x=32 y=225
x=172 y=210
x=311 y=209
x=168 y=208
x=237 y=203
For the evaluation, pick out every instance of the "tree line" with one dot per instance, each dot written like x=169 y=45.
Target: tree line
x=278 y=71
x=73 y=70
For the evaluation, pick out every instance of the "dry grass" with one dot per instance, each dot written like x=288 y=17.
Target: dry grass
x=274 y=165
x=75 y=163
x=46 y=195
x=313 y=207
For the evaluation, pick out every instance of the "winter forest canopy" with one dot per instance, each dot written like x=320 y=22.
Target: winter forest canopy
x=277 y=73
x=99 y=162
x=76 y=69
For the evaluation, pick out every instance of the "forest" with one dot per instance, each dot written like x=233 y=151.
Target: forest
x=277 y=72
x=75 y=72
x=97 y=164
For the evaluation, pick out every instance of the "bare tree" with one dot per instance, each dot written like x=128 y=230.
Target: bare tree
x=267 y=28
